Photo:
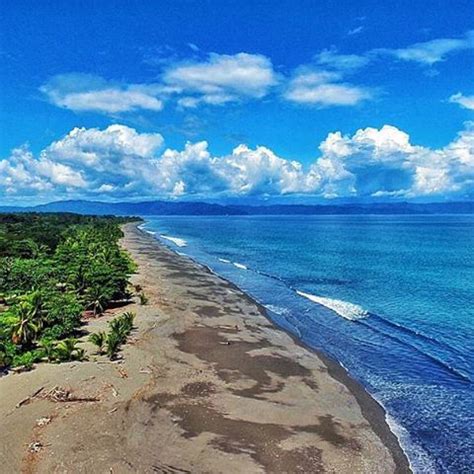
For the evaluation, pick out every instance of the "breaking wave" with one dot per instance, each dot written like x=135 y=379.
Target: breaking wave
x=176 y=240
x=347 y=310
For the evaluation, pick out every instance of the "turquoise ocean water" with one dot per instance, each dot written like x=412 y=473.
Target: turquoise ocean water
x=390 y=297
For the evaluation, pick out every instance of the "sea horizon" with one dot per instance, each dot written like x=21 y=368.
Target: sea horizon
x=237 y=236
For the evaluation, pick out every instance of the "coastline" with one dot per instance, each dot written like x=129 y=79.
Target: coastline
x=206 y=374
x=372 y=410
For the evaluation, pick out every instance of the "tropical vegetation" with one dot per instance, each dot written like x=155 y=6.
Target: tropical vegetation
x=54 y=268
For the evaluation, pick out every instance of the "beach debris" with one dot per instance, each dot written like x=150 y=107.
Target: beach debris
x=28 y=399
x=122 y=373
x=60 y=394
x=114 y=390
x=35 y=447
x=145 y=370
x=43 y=421
x=113 y=410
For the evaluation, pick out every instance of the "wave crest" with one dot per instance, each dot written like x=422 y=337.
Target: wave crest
x=176 y=240
x=347 y=310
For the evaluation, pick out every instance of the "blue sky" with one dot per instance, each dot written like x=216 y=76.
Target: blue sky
x=328 y=99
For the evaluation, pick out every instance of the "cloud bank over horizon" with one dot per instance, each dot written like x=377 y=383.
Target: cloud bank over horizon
x=118 y=162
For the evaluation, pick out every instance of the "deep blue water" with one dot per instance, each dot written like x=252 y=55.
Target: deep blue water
x=390 y=297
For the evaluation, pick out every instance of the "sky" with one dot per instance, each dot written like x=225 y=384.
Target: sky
x=242 y=101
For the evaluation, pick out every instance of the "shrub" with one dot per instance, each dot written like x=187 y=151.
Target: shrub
x=48 y=349
x=114 y=341
x=26 y=360
x=67 y=350
x=99 y=339
x=143 y=298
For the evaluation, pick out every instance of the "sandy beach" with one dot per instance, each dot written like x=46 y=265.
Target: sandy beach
x=207 y=384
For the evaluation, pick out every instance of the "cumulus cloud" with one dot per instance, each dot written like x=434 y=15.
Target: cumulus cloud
x=119 y=162
x=22 y=174
x=84 y=92
x=221 y=78
x=383 y=162
x=323 y=88
x=465 y=101
x=433 y=51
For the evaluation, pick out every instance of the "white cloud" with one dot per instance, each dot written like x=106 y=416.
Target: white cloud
x=219 y=79
x=330 y=58
x=355 y=31
x=260 y=171
x=383 y=162
x=323 y=88
x=222 y=78
x=109 y=101
x=22 y=174
x=99 y=148
x=433 y=51
x=83 y=92
x=466 y=101
x=120 y=162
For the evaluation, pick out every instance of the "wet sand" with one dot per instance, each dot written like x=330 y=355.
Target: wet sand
x=207 y=385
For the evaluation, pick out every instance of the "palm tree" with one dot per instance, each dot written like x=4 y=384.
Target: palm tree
x=36 y=250
x=96 y=300
x=114 y=340
x=48 y=348
x=67 y=350
x=36 y=301
x=99 y=339
x=24 y=330
x=118 y=328
x=127 y=319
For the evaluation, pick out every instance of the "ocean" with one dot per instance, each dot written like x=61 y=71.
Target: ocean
x=390 y=297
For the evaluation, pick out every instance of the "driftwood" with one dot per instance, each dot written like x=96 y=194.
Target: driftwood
x=28 y=399
x=59 y=394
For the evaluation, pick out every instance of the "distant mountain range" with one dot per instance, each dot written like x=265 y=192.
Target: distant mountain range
x=149 y=208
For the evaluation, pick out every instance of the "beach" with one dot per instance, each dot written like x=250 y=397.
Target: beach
x=206 y=384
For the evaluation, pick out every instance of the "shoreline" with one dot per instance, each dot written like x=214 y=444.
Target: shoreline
x=372 y=410
x=205 y=373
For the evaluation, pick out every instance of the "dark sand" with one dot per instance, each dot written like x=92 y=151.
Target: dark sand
x=208 y=385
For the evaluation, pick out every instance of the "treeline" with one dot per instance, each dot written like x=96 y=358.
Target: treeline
x=53 y=267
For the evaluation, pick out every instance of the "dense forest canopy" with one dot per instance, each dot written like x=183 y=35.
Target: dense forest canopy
x=53 y=267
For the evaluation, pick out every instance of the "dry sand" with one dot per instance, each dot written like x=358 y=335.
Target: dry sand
x=206 y=385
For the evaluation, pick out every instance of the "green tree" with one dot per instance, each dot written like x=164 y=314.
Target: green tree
x=24 y=330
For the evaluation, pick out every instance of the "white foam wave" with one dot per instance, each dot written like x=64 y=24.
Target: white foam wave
x=418 y=458
x=240 y=265
x=224 y=260
x=149 y=232
x=347 y=310
x=176 y=240
x=277 y=309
